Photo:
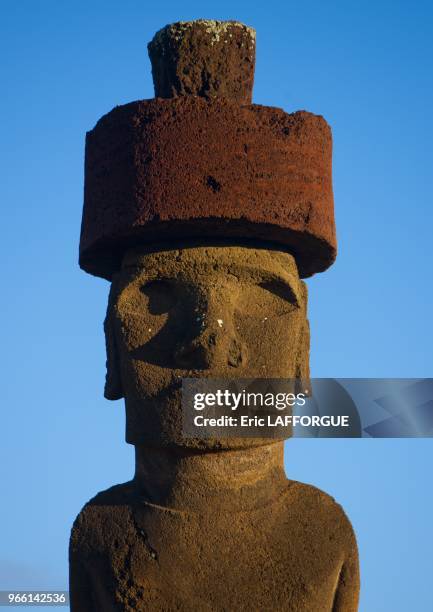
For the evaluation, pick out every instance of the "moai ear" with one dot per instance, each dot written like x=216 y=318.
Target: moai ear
x=303 y=355
x=113 y=383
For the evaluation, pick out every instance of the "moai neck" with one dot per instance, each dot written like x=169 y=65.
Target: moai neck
x=235 y=480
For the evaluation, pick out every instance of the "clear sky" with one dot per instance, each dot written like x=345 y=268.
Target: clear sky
x=367 y=67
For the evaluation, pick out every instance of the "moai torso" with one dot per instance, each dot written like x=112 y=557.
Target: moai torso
x=204 y=211
x=297 y=554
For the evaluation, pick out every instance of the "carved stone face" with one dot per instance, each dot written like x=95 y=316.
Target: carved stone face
x=200 y=311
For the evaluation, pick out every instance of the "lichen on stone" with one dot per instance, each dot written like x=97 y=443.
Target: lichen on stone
x=218 y=30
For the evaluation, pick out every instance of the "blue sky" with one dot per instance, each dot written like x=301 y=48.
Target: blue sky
x=367 y=67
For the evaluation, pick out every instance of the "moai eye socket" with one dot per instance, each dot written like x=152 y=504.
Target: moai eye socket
x=267 y=299
x=281 y=290
x=161 y=295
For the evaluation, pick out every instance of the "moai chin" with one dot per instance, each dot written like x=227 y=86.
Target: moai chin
x=205 y=212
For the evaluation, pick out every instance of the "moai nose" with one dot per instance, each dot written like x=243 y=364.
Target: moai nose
x=214 y=343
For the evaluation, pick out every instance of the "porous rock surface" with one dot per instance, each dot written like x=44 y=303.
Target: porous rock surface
x=185 y=167
x=295 y=554
x=182 y=311
x=213 y=58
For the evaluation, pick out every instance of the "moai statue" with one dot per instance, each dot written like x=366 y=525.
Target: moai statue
x=205 y=211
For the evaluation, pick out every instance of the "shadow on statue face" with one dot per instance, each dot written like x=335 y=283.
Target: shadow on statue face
x=200 y=311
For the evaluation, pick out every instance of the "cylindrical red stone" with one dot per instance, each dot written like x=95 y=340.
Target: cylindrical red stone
x=204 y=58
x=189 y=167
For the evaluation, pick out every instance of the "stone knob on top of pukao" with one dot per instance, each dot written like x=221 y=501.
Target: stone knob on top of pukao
x=204 y=58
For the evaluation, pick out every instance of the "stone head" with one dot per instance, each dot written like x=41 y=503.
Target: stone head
x=193 y=310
